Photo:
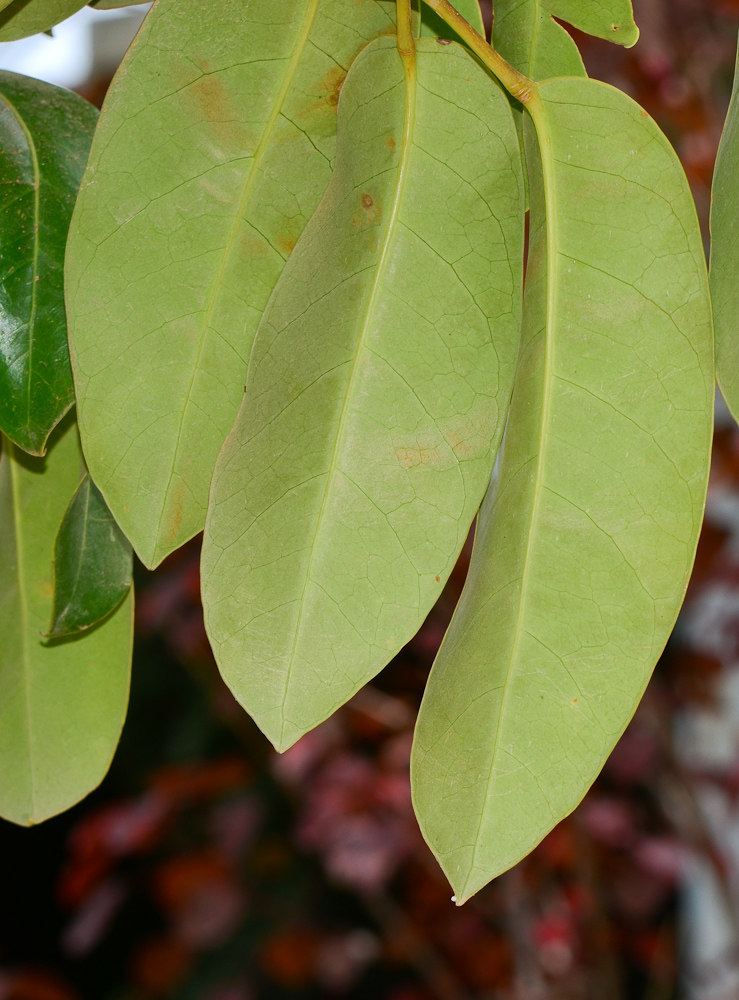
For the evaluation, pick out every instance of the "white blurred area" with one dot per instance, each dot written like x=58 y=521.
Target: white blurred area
x=89 y=44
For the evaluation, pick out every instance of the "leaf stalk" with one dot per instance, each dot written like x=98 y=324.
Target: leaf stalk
x=517 y=85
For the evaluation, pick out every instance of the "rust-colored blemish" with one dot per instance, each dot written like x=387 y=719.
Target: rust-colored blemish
x=328 y=90
x=438 y=579
x=176 y=508
x=390 y=142
x=458 y=444
x=367 y=201
x=212 y=98
x=286 y=244
x=412 y=458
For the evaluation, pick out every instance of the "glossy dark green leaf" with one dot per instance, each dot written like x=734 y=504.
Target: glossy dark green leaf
x=725 y=255
x=45 y=135
x=93 y=563
x=21 y=18
x=62 y=701
x=376 y=394
x=526 y=34
x=586 y=538
x=214 y=148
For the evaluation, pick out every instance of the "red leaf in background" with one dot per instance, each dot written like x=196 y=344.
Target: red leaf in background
x=203 y=898
x=33 y=985
x=289 y=957
x=160 y=966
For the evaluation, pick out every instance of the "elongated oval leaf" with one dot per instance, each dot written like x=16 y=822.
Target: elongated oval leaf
x=93 y=563
x=525 y=33
x=45 y=135
x=725 y=255
x=587 y=535
x=213 y=150
x=62 y=701
x=21 y=18
x=376 y=393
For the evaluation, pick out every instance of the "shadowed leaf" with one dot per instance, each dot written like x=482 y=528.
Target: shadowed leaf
x=93 y=563
x=21 y=18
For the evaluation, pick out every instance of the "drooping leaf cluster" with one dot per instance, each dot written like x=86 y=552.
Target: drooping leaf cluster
x=298 y=320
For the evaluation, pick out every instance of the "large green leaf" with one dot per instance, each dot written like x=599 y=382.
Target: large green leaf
x=725 y=255
x=586 y=537
x=213 y=150
x=376 y=394
x=526 y=34
x=93 y=563
x=62 y=701
x=21 y=18
x=45 y=135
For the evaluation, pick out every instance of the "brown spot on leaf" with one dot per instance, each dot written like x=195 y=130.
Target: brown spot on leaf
x=443 y=41
x=390 y=142
x=367 y=201
x=213 y=99
x=438 y=579
x=412 y=458
x=286 y=243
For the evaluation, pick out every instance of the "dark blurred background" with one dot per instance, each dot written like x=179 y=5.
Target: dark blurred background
x=208 y=868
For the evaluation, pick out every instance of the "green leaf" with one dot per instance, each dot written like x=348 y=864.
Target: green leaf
x=21 y=18
x=725 y=255
x=213 y=150
x=93 y=563
x=63 y=701
x=432 y=26
x=525 y=33
x=587 y=535
x=376 y=394
x=45 y=135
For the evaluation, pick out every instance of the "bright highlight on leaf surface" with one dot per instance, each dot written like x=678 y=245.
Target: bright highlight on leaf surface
x=586 y=539
x=526 y=34
x=208 y=162
x=21 y=18
x=376 y=395
x=93 y=563
x=45 y=135
x=62 y=701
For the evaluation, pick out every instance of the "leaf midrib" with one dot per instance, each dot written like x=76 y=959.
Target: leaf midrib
x=547 y=161
x=410 y=77
x=269 y=128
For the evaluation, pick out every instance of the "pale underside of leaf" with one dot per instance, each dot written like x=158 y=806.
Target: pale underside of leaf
x=209 y=160
x=725 y=255
x=587 y=535
x=526 y=34
x=63 y=702
x=46 y=133
x=21 y=18
x=377 y=389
